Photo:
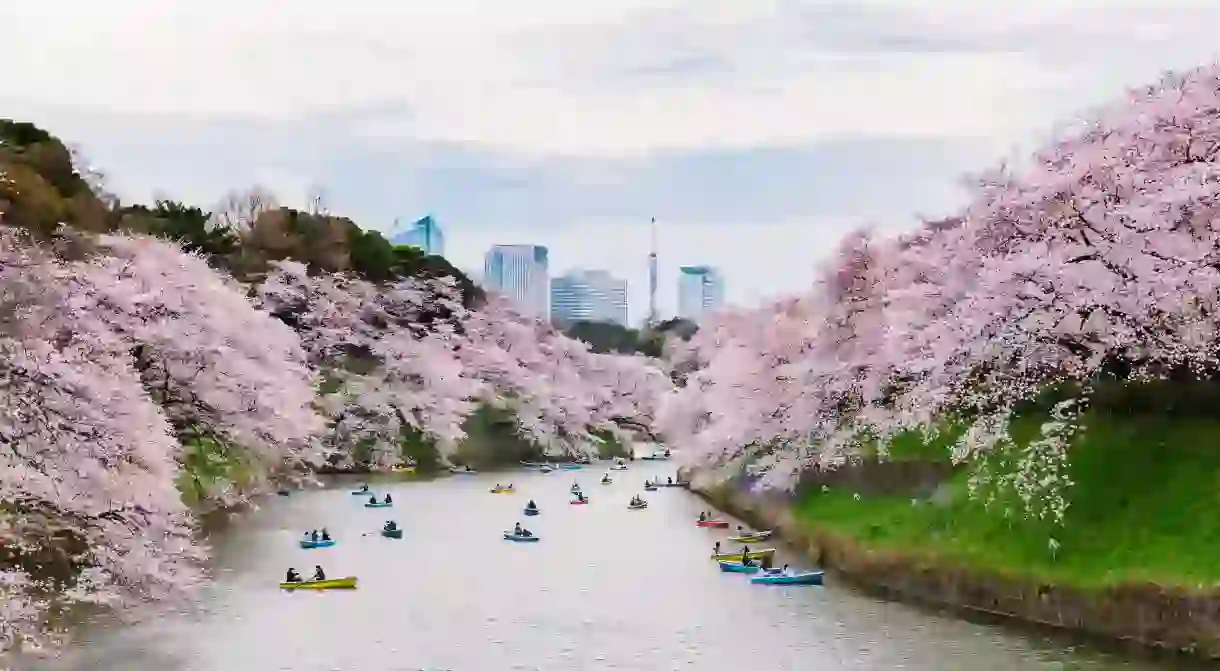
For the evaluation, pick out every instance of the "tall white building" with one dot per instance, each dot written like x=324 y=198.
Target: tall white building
x=700 y=291
x=425 y=234
x=590 y=296
x=520 y=272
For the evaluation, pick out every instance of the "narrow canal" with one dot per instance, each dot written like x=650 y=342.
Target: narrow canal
x=605 y=588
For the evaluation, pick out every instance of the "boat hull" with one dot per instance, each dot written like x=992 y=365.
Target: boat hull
x=503 y=491
x=810 y=578
x=519 y=539
x=630 y=507
x=752 y=538
x=333 y=583
x=736 y=556
x=738 y=567
x=713 y=524
x=531 y=512
x=378 y=505
x=394 y=533
x=579 y=502
x=313 y=545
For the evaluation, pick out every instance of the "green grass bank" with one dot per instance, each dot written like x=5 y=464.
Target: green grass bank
x=1138 y=557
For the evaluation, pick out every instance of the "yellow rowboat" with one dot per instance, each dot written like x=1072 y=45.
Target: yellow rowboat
x=754 y=554
x=504 y=490
x=748 y=539
x=333 y=583
x=404 y=469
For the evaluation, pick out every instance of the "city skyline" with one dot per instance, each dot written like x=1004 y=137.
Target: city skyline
x=714 y=300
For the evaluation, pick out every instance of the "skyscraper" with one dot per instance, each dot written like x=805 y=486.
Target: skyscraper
x=700 y=290
x=425 y=234
x=521 y=273
x=589 y=295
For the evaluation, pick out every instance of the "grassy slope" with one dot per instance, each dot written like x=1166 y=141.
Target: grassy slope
x=1143 y=510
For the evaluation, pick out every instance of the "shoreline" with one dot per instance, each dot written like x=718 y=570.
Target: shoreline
x=1142 y=618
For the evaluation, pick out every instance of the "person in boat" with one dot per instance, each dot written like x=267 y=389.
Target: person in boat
x=702 y=516
x=745 y=553
x=580 y=497
x=363 y=488
x=517 y=530
x=325 y=534
x=468 y=468
x=313 y=535
x=531 y=505
x=740 y=530
x=318 y=574
x=292 y=576
x=373 y=499
x=390 y=526
x=388 y=499
x=671 y=481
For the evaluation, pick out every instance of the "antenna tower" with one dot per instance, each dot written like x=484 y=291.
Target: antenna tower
x=652 y=276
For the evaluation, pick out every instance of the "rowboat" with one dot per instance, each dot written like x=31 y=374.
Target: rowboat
x=531 y=511
x=510 y=536
x=637 y=506
x=392 y=533
x=713 y=524
x=379 y=504
x=808 y=578
x=361 y=493
x=403 y=469
x=570 y=467
x=462 y=471
x=502 y=490
x=752 y=538
x=736 y=556
x=332 y=583
x=606 y=481
x=307 y=544
x=579 y=502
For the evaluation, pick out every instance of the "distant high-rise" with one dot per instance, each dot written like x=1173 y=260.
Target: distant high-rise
x=590 y=296
x=425 y=234
x=700 y=290
x=521 y=273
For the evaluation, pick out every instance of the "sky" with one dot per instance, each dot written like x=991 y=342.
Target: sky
x=757 y=132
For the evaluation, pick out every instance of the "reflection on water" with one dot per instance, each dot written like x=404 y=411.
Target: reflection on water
x=606 y=588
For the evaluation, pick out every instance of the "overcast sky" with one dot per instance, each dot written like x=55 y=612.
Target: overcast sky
x=756 y=131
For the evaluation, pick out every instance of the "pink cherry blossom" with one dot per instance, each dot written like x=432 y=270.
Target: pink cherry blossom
x=1098 y=257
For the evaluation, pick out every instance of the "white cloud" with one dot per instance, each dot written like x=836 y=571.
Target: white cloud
x=541 y=79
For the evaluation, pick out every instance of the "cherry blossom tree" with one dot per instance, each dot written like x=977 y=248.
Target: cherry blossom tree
x=90 y=511
x=221 y=370
x=430 y=363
